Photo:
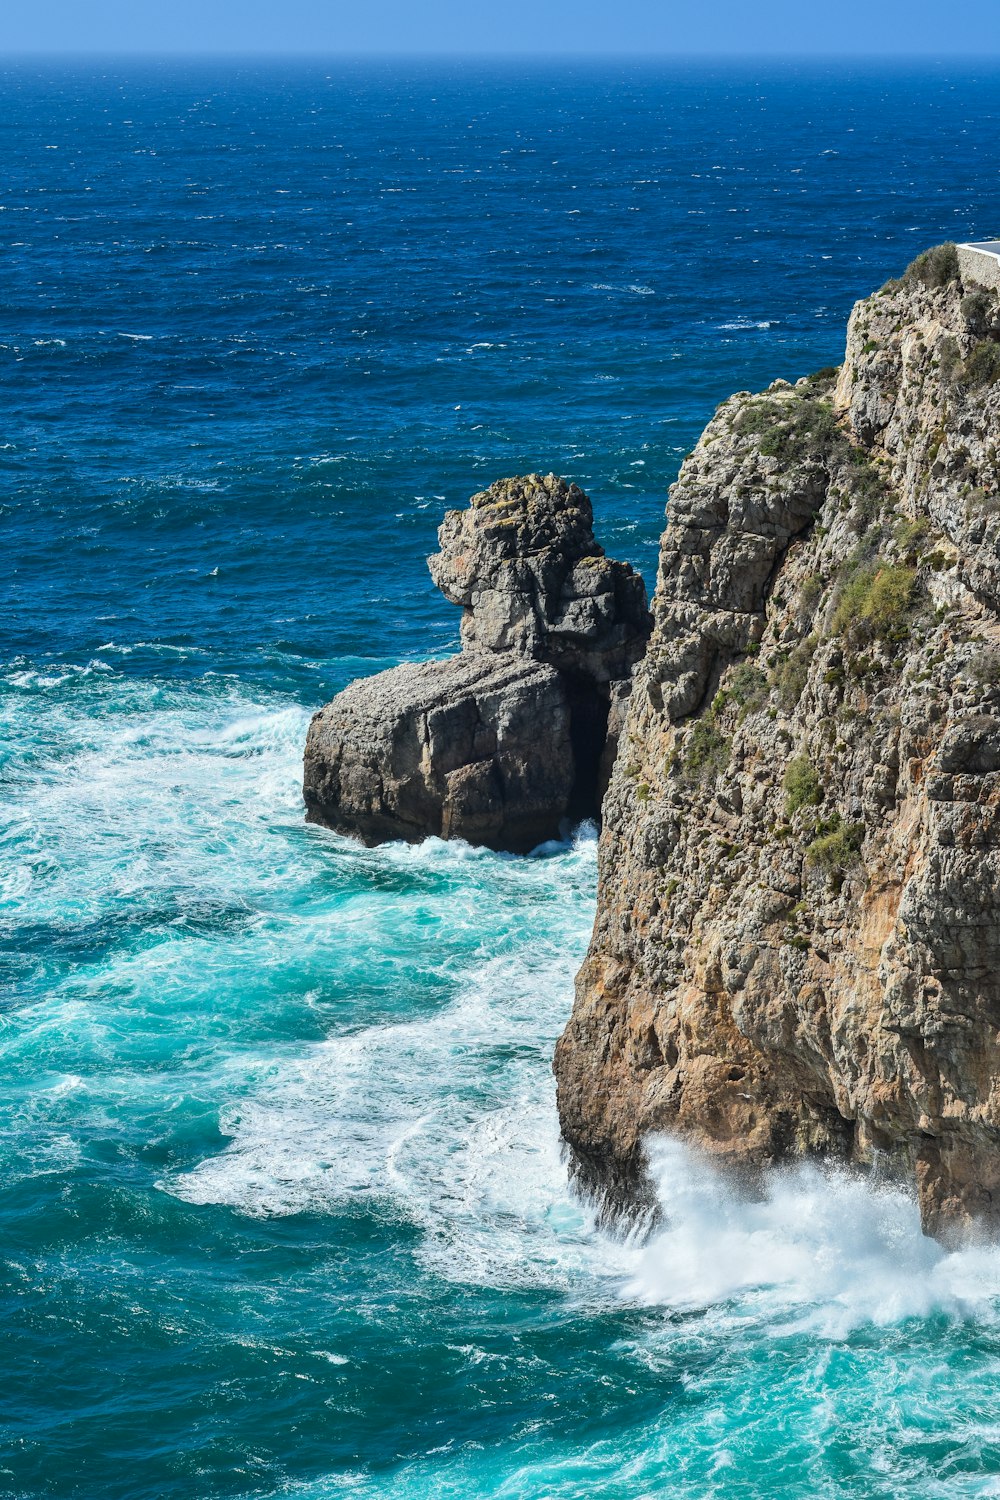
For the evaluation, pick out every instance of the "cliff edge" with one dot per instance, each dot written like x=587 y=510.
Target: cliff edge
x=797 y=944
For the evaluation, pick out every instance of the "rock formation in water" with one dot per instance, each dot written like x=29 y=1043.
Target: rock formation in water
x=502 y=743
x=797 y=945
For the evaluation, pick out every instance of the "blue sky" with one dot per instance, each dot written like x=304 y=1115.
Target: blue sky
x=831 y=27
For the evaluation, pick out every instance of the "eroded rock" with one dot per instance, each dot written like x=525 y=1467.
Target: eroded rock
x=504 y=743
x=524 y=564
x=449 y=748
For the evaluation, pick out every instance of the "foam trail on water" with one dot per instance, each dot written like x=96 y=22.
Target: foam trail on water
x=446 y=1115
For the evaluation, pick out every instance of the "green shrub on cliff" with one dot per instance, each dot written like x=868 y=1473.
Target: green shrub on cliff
x=982 y=367
x=875 y=601
x=890 y=595
x=979 y=503
x=834 y=851
x=811 y=591
x=909 y=533
x=867 y=491
x=824 y=377
x=747 y=687
x=949 y=358
x=984 y=668
x=808 y=431
x=789 y=677
x=801 y=785
x=934 y=268
x=798 y=428
x=979 y=309
x=757 y=417
x=852 y=597
x=706 y=752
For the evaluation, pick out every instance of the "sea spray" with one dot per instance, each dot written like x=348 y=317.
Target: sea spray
x=824 y=1248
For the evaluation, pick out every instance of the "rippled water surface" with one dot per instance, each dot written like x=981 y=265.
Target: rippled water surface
x=283 y=1208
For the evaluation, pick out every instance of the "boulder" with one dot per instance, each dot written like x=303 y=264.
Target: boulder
x=523 y=563
x=449 y=748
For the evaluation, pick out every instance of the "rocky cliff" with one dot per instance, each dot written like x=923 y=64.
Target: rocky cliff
x=797 y=945
x=504 y=742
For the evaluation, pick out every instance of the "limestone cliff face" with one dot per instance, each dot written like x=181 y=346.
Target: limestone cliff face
x=797 y=946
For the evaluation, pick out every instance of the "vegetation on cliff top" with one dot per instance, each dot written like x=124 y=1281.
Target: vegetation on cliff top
x=802 y=428
x=934 y=267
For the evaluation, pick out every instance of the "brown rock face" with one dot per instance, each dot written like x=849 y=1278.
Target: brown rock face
x=797 y=945
x=503 y=743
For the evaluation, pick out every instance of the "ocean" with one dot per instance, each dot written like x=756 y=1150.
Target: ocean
x=284 y=1210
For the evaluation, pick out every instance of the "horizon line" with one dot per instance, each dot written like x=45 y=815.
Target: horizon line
x=603 y=54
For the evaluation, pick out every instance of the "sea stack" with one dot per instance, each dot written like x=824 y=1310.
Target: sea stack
x=507 y=741
x=797 y=944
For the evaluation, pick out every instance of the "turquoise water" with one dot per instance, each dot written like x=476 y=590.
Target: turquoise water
x=284 y=1204
x=284 y=1210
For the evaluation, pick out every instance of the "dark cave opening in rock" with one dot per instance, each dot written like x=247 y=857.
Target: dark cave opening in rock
x=588 y=731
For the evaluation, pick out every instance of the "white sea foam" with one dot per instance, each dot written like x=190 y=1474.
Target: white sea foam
x=437 y=1103
x=143 y=796
x=441 y=975
x=31 y=678
x=823 y=1250
x=636 y=290
x=448 y=1118
x=743 y=325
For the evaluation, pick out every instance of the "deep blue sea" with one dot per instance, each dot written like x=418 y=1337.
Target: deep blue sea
x=283 y=1207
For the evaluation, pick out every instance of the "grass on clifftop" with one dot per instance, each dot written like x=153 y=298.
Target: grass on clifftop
x=933 y=268
x=796 y=429
x=812 y=433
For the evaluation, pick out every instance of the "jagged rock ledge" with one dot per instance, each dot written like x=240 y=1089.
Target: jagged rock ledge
x=504 y=743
